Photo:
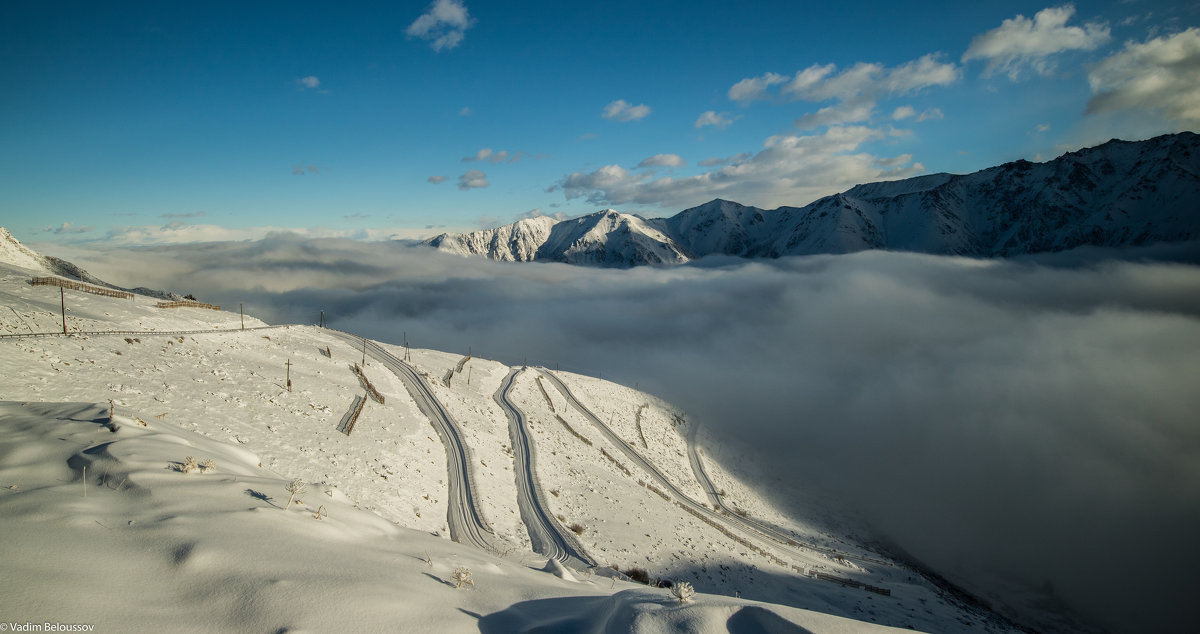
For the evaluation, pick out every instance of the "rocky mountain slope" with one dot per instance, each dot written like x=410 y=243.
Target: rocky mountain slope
x=1118 y=194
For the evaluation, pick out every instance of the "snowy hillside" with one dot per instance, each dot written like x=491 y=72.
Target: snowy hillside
x=1114 y=195
x=548 y=482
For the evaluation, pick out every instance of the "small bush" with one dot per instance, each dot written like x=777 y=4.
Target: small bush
x=638 y=574
x=295 y=487
x=576 y=528
x=683 y=591
x=462 y=576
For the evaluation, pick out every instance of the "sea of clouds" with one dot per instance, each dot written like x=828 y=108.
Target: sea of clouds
x=1010 y=423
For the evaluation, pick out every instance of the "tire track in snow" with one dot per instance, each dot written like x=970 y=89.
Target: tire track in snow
x=746 y=525
x=547 y=535
x=462 y=515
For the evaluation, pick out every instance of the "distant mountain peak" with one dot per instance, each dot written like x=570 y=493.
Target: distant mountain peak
x=1119 y=193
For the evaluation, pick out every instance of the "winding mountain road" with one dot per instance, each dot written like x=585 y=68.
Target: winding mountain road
x=548 y=536
x=462 y=515
x=749 y=526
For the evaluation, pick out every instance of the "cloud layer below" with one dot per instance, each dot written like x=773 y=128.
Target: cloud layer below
x=998 y=420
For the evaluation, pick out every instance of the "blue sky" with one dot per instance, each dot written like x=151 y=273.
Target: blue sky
x=170 y=122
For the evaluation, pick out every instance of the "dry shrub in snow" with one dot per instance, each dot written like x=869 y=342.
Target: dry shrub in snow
x=295 y=487
x=461 y=576
x=638 y=574
x=683 y=591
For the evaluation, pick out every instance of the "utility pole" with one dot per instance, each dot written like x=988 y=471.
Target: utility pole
x=364 y=363
x=63 y=296
x=243 y=315
x=289 y=375
x=322 y=319
x=469 y=368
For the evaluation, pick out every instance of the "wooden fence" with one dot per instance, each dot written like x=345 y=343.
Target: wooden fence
x=366 y=383
x=351 y=417
x=186 y=303
x=79 y=286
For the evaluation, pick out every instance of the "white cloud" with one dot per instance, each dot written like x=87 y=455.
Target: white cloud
x=437 y=178
x=1020 y=42
x=835 y=115
x=482 y=155
x=465 y=111
x=716 y=160
x=301 y=170
x=492 y=156
x=66 y=228
x=903 y=112
x=178 y=232
x=870 y=81
x=789 y=170
x=934 y=114
x=713 y=118
x=538 y=213
x=621 y=110
x=855 y=90
x=754 y=88
x=663 y=160
x=474 y=179
x=1160 y=76
x=309 y=83
x=443 y=24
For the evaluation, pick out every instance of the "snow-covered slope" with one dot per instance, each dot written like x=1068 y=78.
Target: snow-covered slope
x=518 y=242
x=17 y=254
x=605 y=238
x=172 y=546
x=1114 y=195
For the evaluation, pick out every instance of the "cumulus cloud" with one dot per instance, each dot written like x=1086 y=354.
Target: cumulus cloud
x=713 y=118
x=870 y=81
x=308 y=83
x=835 y=115
x=179 y=232
x=66 y=228
x=436 y=178
x=474 y=179
x=465 y=111
x=444 y=24
x=491 y=156
x=621 y=110
x=788 y=170
x=903 y=112
x=754 y=88
x=1020 y=43
x=988 y=417
x=663 y=160
x=726 y=160
x=1160 y=76
x=930 y=114
x=538 y=213
x=862 y=83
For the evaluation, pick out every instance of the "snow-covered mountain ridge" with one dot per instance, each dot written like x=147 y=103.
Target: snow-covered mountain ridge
x=1117 y=194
